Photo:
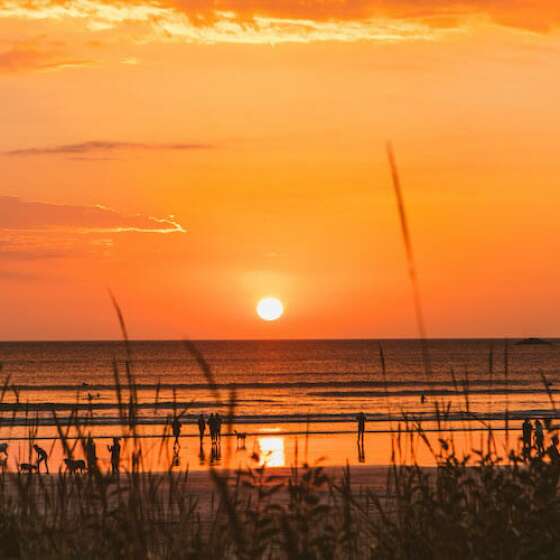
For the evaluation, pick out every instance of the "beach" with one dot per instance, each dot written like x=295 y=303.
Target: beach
x=296 y=401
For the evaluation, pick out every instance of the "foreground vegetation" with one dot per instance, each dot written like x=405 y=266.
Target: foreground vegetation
x=481 y=505
x=473 y=507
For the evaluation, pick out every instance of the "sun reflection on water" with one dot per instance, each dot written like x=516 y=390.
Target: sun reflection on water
x=271 y=451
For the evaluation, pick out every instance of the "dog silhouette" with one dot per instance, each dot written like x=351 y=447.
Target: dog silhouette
x=75 y=465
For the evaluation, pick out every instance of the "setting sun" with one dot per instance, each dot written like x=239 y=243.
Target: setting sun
x=270 y=309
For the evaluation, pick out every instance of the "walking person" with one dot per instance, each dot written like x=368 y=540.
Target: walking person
x=115 y=451
x=42 y=457
x=176 y=427
x=361 y=419
x=212 y=427
x=201 y=426
x=527 y=437
x=539 y=438
x=218 y=421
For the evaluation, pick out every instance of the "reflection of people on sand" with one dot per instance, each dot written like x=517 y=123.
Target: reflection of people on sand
x=241 y=437
x=201 y=426
x=176 y=460
x=361 y=451
x=42 y=457
x=201 y=454
x=115 y=451
x=216 y=452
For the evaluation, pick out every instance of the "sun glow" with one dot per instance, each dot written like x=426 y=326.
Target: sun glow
x=270 y=309
x=271 y=450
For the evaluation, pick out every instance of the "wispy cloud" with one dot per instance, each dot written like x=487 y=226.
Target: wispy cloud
x=23 y=58
x=21 y=216
x=97 y=146
x=228 y=21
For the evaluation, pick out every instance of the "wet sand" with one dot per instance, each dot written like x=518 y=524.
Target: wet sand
x=279 y=446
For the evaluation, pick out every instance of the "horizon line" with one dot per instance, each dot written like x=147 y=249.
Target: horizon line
x=295 y=339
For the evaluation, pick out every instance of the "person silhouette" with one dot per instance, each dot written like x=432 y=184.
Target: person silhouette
x=136 y=459
x=176 y=427
x=91 y=455
x=218 y=423
x=42 y=457
x=539 y=438
x=212 y=427
x=527 y=437
x=115 y=451
x=201 y=426
x=553 y=452
x=361 y=419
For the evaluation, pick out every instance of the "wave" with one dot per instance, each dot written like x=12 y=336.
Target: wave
x=431 y=393
x=460 y=385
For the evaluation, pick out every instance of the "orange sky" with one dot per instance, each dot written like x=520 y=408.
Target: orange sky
x=195 y=156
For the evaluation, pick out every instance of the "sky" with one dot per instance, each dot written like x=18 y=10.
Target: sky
x=193 y=157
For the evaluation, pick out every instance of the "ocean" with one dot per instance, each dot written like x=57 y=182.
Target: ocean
x=311 y=382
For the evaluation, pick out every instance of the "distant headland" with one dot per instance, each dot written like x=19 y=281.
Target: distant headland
x=533 y=341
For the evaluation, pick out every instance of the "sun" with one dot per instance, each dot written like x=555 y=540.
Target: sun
x=270 y=309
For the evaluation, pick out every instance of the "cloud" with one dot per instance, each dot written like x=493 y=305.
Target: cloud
x=229 y=21
x=270 y=21
x=526 y=14
x=95 y=146
x=24 y=58
x=35 y=217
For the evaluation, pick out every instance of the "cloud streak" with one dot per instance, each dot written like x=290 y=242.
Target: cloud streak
x=274 y=21
x=25 y=59
x=35 y=217
x=96 y=146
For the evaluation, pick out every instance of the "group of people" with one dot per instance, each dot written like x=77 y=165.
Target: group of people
x=90 y=463
x=90 y=450
x=42 y=458
x=533 y=438
x=214 y=423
